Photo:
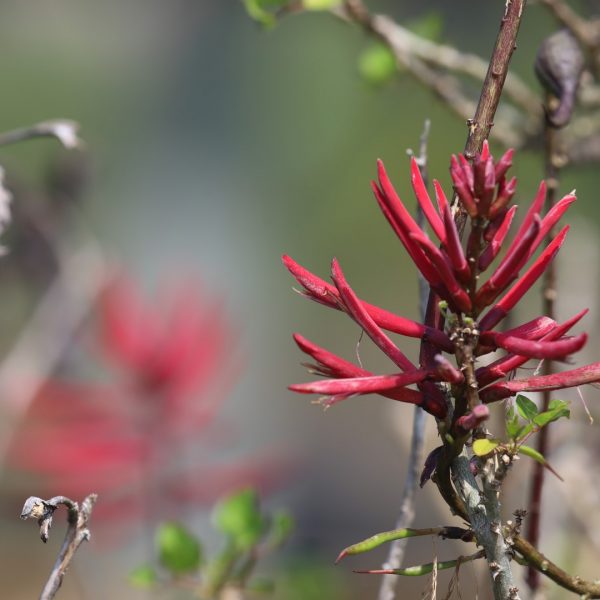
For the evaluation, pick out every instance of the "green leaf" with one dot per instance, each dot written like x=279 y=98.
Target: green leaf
x=532 y=453
x=556 y=410
x=483 y=447
x=282 y=527
x=513 y=425
x=320 y=4
x=526 y=407
x=429 y=26
x=238 y=516
x=178 y=551
x=262 y=10
x=143 y=577
x=377 y=64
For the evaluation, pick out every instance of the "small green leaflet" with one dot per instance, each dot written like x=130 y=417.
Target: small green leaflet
x=526 y=407
x=376 y=64
x=513 y=425
x=483 y=447
x=535 y=420
x=532 y=453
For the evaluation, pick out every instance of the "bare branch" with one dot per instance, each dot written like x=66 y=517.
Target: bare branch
x=77 y=532
x=63 y=130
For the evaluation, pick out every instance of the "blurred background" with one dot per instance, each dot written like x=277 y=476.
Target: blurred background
x=213 y=146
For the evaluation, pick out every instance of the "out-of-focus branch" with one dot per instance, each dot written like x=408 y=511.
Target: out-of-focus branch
x=425 y=59
x=63 y=130
x=67 y=303
x=407 y=503
x=77 y=532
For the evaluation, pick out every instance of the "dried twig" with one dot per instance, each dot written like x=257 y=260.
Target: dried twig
x=77 y=532
x=63 y=130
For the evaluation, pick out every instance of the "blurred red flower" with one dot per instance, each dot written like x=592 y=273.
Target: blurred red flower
x=136 y=442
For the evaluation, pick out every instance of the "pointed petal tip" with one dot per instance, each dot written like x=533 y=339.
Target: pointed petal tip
x=341 y=556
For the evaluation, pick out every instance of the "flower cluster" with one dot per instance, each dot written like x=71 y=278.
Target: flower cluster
x=465 y=308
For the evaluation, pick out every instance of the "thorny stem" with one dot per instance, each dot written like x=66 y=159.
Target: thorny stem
x=484 y=515
x=482 y=509
x=552 y=168
x=77 y=532
x=407 y=503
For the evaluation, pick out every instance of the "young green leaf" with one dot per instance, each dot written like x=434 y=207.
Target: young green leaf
x=526 y=407
x=282 y=526
x=143 y=577
x=262 y=10
x=513 y=425
x=532 y=453
x=377 y=64
x=556 y=410
x=483 y=447
x=430 y=26
x=320 y=4
x=238 y=516
x=178 y=550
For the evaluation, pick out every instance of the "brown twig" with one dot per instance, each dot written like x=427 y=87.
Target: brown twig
x=434 y=66
x=77 y=532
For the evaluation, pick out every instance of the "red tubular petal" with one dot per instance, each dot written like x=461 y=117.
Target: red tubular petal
x=509 y=268
x=434 y=401
x=440 y=197
x=458 y=296
x=532 y=330
x=467 y=170
x=508 y=301
x=337 y=367
x=555 y=381
x=500 y=368
x=554 y=215
x=425 y=201
x=361 y=316
x=543 y=349
x=468 y=422
x=504 y=164
x=485 y=151
x=327 y=294
x=375 y=384
x=490 y=253
x=447 y=370
x=505 y=193
x=399 y=211
x=485 y=184
x=454 y=248
x=317 y=288
x=462 y=188
x=394 y=217
x=492 y=227
x=534 y=210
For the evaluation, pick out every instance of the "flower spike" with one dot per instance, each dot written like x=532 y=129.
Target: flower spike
x=453 y=313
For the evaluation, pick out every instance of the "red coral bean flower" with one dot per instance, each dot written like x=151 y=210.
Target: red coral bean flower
x=141 y=441
x=474 y=286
